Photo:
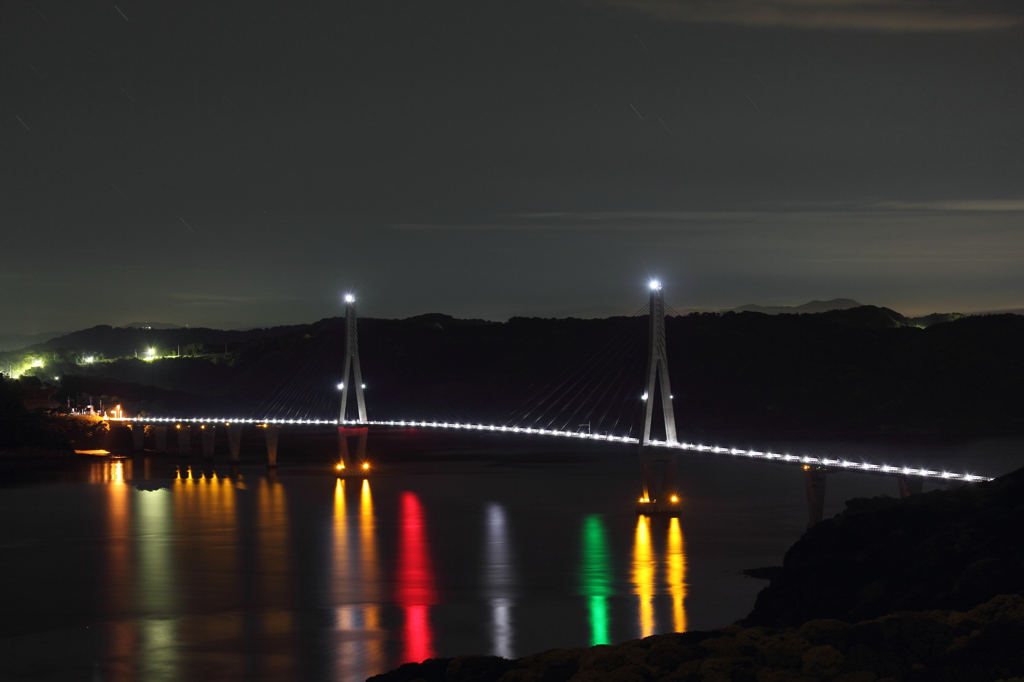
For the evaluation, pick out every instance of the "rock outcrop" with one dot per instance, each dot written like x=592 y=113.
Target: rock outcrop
x=983 y=643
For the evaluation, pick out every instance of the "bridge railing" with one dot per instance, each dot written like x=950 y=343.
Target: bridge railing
x=800 y=460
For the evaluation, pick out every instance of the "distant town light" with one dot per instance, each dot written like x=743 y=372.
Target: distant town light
x=88 y=359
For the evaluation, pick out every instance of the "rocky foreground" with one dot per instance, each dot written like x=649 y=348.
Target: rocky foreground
x=928 y=588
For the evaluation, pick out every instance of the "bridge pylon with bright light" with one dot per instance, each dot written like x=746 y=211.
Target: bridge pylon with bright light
x=352 y=379
x=352 y=365
x=659 y=497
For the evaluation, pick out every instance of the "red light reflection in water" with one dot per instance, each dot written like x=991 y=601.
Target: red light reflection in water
x=415 y=581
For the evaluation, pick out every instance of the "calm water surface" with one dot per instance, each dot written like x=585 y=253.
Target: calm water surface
x=247 y=575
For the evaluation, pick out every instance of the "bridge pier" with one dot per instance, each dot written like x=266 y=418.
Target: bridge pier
x=814 y=482
x=271 y=433
x=663 y=500
x=160 y=438
x=347 y=463
x=138 y=436
x=235 y=442
x=909 y=486
x=647 y=473
x=184 y=439
x=209 y=442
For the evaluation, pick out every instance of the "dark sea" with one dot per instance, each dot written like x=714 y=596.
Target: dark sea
x=162 y=567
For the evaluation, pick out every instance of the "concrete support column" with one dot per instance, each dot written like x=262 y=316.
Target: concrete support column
x=184 y=439
x=344 y=458
x=235 y=442
x=272 y=433
x=910 y=486
x=814 y=480
x=138 y=436
x=669 y=484
x=160 y=438
x=646 y=473
x=349 y=461
x=209 y=434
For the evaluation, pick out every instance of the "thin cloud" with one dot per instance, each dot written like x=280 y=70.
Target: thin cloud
x=896 y=16
x=222 y=300
x=969 y=206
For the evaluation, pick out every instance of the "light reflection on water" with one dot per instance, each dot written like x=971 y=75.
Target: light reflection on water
x=246 y=575
x=414 y=585
x=212 y=541
x=499 y=580
x=596 y=577
x=659 y=572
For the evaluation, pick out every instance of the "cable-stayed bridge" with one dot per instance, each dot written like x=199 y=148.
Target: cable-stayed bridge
x=657 y=453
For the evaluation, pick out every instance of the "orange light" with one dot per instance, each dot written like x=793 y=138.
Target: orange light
x=675 y=498
x=807 y=467
x=366 y=465
x=339 y=467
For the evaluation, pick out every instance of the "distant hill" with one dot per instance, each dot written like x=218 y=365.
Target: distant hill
x=152 y=325
x=935 y=318
x=1008 y=311
x=863 y=370
x=836 y=304
x=16 y=341
x=126 y=341
x=810 y=307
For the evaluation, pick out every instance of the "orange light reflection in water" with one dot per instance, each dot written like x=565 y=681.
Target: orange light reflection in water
x=371 y=579
x=355 y=588
x=123 y=638
x=274 y=549
x=677 y=574
x=643 y=575
x=647 y=561
x=205 y=513
x=415 y=590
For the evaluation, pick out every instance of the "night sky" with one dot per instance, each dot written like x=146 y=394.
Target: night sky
x=241 y=164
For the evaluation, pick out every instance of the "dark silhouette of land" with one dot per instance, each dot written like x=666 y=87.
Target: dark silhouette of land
x=860 y=371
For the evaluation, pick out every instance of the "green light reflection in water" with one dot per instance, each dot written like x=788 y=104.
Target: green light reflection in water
x=596 y=577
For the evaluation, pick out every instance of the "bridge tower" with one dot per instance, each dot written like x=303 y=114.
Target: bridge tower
x=347 y=464
x=351 y=362
x=665 y=498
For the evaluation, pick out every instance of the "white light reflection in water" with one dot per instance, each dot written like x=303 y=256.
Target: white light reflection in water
x=499 y=581
x=154 y=582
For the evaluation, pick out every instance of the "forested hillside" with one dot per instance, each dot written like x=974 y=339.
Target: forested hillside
x=865 y=370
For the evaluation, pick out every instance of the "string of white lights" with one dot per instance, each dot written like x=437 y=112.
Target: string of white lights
x=804 y=460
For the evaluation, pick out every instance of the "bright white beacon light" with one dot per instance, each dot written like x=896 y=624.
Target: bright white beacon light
x=655 y=285
x=349 y=298
x=341 y=386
